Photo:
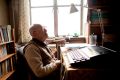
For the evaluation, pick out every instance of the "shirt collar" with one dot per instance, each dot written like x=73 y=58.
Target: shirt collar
x=41 y=43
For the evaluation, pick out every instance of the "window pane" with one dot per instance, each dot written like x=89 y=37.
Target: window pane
x=41 y=2
x=68 y=23
x=85 y=3
x=68 y=2
x=45 y=17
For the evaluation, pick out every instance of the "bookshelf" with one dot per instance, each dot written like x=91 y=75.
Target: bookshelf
x=7 y=52
x=109 y=32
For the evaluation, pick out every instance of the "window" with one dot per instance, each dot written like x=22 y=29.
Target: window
x=55 y=15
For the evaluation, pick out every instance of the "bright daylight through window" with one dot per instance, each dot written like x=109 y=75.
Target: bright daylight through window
x=55 y=15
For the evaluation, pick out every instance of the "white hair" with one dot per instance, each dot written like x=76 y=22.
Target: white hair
x=33 y=28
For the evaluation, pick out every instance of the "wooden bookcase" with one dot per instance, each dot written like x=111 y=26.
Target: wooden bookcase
x=106 y=13
x=7 y=52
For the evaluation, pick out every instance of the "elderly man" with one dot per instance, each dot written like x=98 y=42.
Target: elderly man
x=39 y=57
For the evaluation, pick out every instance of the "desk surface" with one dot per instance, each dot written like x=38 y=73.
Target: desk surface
x=81 y=73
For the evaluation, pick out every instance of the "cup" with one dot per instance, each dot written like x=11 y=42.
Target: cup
x=93 y=39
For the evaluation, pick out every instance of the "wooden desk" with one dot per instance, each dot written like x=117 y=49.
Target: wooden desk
x=71 y=73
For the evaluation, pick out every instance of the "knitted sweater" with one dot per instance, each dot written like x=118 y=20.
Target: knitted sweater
x=39 y=58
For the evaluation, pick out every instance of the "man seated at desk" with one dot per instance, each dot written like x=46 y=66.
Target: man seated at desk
x=39 y=57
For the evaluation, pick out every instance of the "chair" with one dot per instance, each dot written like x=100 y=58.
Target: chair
x=23 y=70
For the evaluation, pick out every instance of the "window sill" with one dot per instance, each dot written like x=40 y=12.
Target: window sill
x=79 y=39
x=76 y=40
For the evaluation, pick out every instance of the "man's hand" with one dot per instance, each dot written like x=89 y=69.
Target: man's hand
x=58 y=63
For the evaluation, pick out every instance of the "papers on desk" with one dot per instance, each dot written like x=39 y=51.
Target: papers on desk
x=89 y=52
x=73 y=46
x=83 y=48
x=74 y=50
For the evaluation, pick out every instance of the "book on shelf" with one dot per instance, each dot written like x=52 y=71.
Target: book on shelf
x=5 y=34
x=3 y=68
x=98 y=17
x=3 y=51
x=9 y=67
x=1 y=35
x=10 y=48
x=9 y=30
x=13 y=34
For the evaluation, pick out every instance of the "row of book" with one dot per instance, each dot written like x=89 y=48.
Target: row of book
x=6 y=49
x=3 y=50
x=5 y=33
x=98 y=17
x=6 y=66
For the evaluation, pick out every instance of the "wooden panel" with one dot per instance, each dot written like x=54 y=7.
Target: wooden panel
x=77 y=40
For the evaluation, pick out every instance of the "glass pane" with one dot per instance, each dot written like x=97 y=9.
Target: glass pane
x=45 y=17
x=85 y=3
x=68 y=2
x=41 y=2
x=68 y=24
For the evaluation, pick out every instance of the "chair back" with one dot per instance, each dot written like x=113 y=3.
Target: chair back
x=22 y=68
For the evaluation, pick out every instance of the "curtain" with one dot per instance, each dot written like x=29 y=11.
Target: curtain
x=21 y=20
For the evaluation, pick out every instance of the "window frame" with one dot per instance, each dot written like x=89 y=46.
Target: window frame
x=55 y=7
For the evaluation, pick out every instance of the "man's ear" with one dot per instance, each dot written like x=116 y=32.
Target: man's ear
x=34 y=33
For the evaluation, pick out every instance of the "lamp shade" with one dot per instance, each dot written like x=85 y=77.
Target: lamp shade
x=73 y=9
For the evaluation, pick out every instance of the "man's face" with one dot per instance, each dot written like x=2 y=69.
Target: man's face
x=45 y=32
x=42 y=33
